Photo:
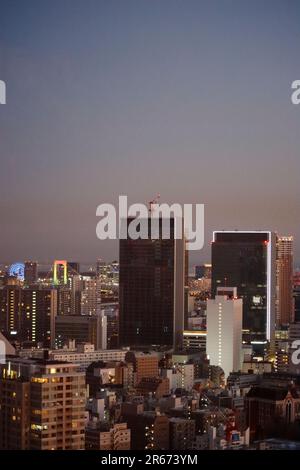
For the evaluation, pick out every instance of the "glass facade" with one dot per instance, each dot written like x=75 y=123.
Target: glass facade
x=244 y=260
x=147 y=289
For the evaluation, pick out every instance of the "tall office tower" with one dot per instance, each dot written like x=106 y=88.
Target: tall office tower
x=182 y=433
x=2 y=310
x=73 y=268
x=101 y=267
x=100 y=436
x=69 y=296
x=11 y=299
x=152 y=289
x=30 y=273
x=91 y=296
x=38 y=312
x=28 y=315
x=42 y=405
x=296 y=295
x=247 y=260
x=109 y=277
x=284 y=288
x=224 y=330
x=76 y=288
x=64 y=300
x=14 y=411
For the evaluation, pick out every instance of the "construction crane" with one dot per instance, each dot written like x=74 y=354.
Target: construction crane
x=154 y=201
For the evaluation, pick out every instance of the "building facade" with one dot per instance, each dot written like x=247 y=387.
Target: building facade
x=152 y=294
x=247 y=260
x=42 y=405
x=224 y=330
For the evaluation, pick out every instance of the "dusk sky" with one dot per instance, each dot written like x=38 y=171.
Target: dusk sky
x=189 y=99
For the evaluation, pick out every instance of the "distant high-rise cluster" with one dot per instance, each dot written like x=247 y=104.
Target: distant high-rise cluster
x=146 y=355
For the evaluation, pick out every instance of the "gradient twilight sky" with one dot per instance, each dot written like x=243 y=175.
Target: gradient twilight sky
x=186 y=98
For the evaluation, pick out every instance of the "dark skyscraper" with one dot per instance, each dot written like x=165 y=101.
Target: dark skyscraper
x=11 y=299
x=42 y=405
x=296 y=295
x=73 y=267
x=247 y=260
x=152 y=279
x=30 y=272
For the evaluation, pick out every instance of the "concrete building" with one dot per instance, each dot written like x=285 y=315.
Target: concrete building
x=296 y=295
x=104 y=374
x=82 y=329
x=154 y=387
x=42 y=405
x=247 y=261
x=82 y=355
x=194 y=340
x=149 y=429
x=14 y=413
x=153 y=276
x=64 y=300
x=30 y=272
x=97 y=437
x=182 y=433
x=224 y=330
x=111 y=312
x=6 y=349
x=90 y=295
x=145 y=364
x=28 y=314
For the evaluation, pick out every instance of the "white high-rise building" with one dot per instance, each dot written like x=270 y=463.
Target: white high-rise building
x=91 y=296
x=224 y=330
